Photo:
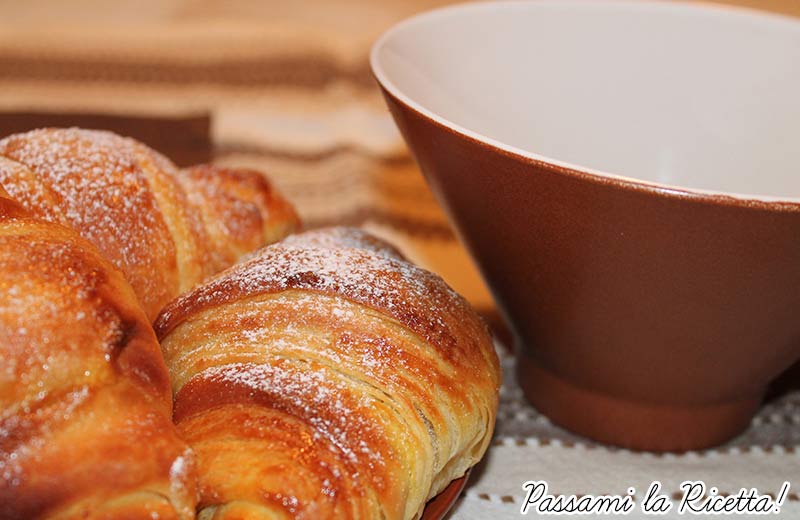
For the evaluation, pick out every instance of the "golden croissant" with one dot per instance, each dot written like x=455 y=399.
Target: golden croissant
x=327 y=377
x=85 y=401
x=165 y=229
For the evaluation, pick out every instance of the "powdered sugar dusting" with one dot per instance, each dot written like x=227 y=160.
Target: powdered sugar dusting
x=344 y=237
x=182 y=485
x=53 y=311
x=27 y=189
x=102 y=192
x=346 y=262
x=179 y=471
x=336 y=409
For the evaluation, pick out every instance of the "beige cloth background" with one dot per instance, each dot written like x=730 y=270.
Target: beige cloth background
x=288 y=89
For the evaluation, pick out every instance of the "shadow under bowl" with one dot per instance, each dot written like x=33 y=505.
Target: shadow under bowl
x=627 y=177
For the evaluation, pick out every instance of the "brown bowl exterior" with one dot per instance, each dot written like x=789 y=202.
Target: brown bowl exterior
x=647 y=317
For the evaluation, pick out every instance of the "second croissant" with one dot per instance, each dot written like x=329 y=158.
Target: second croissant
x=327 y=377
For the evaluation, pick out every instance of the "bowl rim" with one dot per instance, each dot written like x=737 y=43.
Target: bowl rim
x=787 y=203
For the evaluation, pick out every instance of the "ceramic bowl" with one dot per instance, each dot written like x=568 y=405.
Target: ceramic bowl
x=627 y=177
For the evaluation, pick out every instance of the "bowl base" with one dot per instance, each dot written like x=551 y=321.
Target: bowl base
x=630 y=424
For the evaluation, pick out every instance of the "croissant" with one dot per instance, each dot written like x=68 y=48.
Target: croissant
x=158 y=225
x=241 y=211
x=327 y=377
x=85 y=401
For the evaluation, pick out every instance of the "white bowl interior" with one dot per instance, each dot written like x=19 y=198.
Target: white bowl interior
x=691 y=96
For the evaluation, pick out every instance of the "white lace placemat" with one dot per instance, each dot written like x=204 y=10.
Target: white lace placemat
x=527 y=446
